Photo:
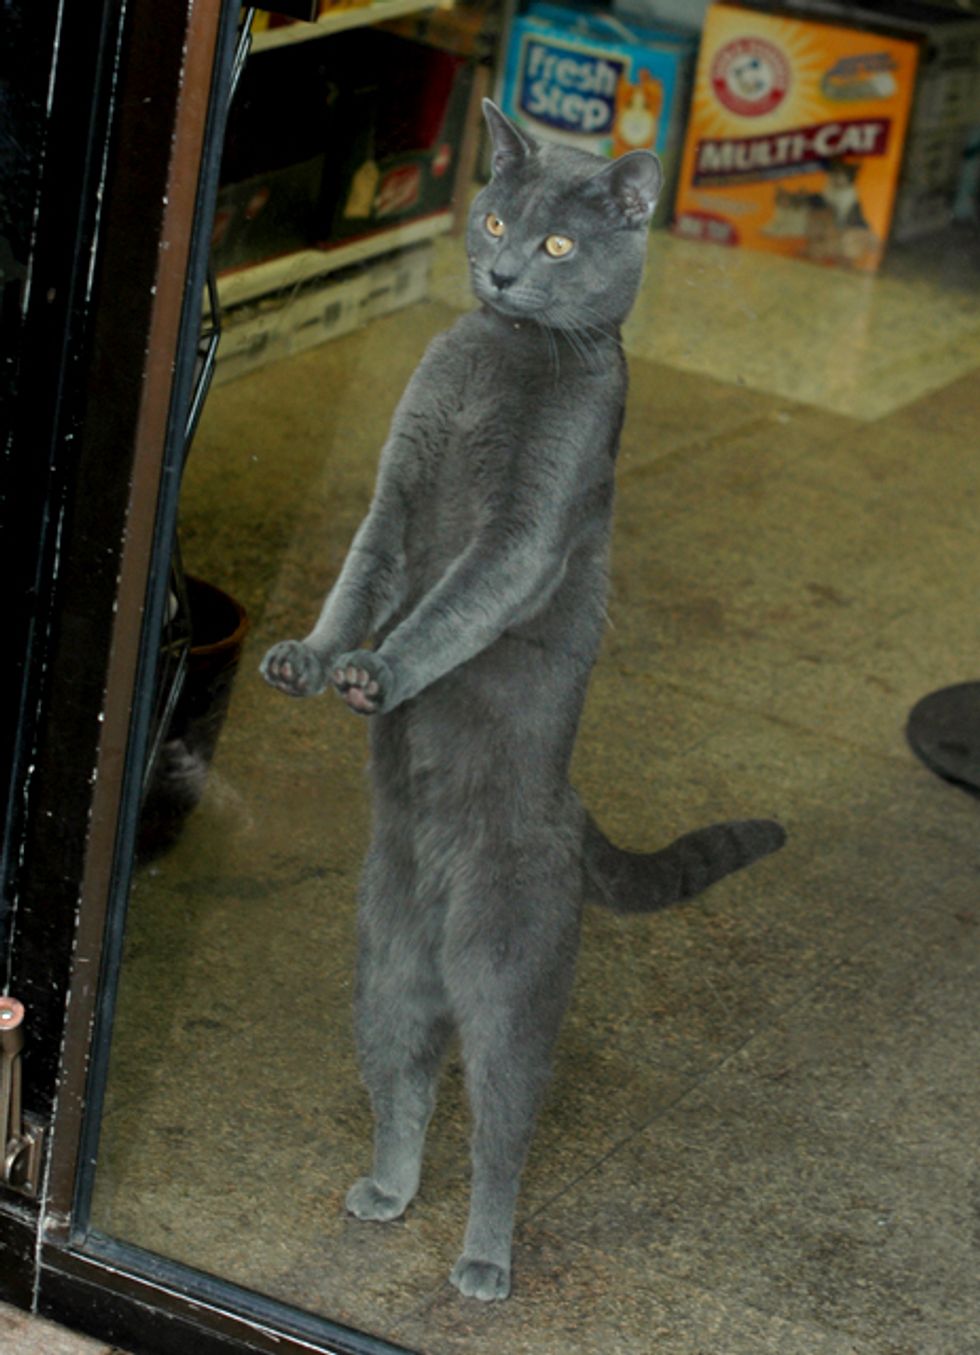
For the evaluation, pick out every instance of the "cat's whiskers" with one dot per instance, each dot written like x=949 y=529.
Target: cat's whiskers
x=582 y=344
x=552 y=348
x=568 y=334
x=607 y=330
x=578 y=334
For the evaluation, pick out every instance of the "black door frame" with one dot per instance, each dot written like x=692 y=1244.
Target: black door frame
x=126 y=199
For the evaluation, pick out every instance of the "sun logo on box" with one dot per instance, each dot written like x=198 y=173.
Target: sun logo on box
x=750 y=76
x=770 y=78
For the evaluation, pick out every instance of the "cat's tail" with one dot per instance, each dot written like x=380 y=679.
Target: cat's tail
x=642 y=882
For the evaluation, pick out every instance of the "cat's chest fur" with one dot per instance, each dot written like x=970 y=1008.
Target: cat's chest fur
x=510 y=420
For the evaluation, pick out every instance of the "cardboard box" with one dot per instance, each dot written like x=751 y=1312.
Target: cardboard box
x=601 y=83
x=272 y=161
x=332 y=6
x=469 y=28
x=266 y=215
x=946 y=104
x=947 y=91
x=400 y=117
x=283 y=110
x=796 y=136
x=339 y=137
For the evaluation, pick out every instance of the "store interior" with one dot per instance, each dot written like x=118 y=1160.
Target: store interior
x=760 y=1134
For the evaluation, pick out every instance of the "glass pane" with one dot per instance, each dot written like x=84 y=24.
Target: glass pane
x=737 y=1148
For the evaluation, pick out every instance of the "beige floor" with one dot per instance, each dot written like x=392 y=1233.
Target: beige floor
x=761 y=1135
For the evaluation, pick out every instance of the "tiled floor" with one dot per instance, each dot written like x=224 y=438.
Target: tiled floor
x=761 y=1135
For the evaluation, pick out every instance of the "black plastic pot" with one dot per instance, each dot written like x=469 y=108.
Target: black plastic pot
x=218 y=626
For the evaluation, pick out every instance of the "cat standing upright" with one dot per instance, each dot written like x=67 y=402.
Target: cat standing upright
x=480 y=573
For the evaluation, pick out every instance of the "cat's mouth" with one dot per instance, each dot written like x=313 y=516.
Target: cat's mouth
x=510 y=298
x=508 y=308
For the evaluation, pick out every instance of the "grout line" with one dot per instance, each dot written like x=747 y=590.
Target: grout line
x=699 y=1079
x=856 y=949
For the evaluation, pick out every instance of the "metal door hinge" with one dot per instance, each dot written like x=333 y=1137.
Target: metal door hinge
x=21 y=1138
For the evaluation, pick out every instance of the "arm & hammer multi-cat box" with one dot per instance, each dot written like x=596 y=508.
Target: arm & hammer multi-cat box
x=946 y=108
x=796 y=136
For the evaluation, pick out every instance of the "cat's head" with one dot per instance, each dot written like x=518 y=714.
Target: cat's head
x=559 y=236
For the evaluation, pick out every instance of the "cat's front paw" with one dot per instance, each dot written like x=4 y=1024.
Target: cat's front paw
x=292 y=667
x=480 y=1279
x=365 y=681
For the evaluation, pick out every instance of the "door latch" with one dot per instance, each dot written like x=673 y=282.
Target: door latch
x=21 y=1138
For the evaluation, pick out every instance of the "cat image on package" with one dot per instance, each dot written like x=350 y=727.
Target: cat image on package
x=638 y=109
x=479 y=576
x=830 y=221
x=841 y=196
x=790 y=214
x=837 y=230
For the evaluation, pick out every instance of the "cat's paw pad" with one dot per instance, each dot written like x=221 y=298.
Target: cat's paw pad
x=366 y=1200
x=292 y=667
x=363 y=680
x=480 y=1279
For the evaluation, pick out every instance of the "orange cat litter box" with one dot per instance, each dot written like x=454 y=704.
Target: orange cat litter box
x=795 y=137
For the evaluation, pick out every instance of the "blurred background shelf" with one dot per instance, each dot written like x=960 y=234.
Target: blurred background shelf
x=339 y=20
x=292 y=270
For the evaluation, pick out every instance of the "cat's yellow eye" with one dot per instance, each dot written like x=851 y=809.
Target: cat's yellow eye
x=558 y=246
x=494 y=225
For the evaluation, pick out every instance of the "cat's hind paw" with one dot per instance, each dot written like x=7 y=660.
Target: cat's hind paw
x=366 y=1200
x=480 y=1279
x=292 y=667
x=364 y=680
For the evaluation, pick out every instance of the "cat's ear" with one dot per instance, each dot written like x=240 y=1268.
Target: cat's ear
x=631 y=185
x=510 y=144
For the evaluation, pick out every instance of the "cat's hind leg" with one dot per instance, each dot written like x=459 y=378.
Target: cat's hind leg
x=509 y=961
x=402 y=1017
x=403 y=1027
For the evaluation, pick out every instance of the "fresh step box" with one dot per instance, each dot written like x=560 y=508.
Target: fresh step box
x=796 y=135
x=600 y=83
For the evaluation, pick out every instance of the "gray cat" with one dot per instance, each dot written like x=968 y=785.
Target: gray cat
x=480 y=571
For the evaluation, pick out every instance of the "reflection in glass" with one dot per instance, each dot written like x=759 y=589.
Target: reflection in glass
x=794 y=564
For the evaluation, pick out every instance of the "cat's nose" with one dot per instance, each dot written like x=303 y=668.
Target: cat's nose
x=502 y=281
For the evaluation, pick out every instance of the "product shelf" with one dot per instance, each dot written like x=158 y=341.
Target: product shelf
x=357 y=16
x=275 y=275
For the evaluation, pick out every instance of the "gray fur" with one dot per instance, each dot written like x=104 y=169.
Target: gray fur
x=480 y=571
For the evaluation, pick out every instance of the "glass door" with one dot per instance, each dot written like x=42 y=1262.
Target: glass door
x=732 y=1153
x=236 y=971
